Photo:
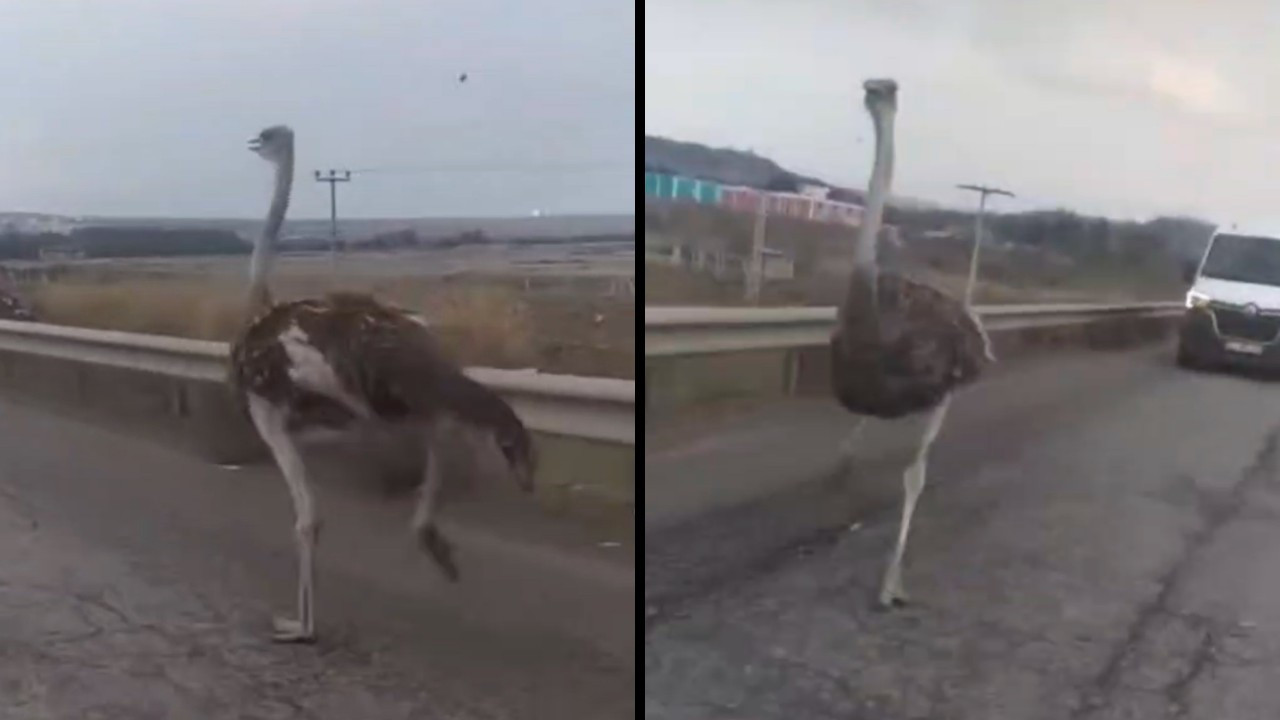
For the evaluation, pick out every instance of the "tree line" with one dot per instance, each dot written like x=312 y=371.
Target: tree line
x=1080 y=237
x=122 y=242
x=98 y=241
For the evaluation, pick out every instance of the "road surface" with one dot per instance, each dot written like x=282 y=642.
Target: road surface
x=138 y=583
x=1113 y=551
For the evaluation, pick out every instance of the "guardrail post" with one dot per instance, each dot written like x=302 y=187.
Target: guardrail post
x=81 y=384
x=793 y=372
x=180 y=407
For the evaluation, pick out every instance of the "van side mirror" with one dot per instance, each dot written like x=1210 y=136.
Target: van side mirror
x=1188 y=271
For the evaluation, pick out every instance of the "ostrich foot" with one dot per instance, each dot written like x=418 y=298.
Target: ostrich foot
x=290 y=631
x=441 y=551
x=892 y=597
x=891 y=601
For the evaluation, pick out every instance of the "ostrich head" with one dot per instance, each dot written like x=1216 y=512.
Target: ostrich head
x=881 y=100
x=881 y=96
x=273 y=144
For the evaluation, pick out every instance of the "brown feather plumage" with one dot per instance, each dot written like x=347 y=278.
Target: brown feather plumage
x=904 y=355
x=380 y=354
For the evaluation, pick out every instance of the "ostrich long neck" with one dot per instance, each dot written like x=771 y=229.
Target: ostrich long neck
x=264 y=249
x=865 y=267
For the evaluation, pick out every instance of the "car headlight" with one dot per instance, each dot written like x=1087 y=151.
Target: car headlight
x=1197 y=300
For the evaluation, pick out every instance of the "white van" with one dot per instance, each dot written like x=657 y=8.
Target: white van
x=1233 y=306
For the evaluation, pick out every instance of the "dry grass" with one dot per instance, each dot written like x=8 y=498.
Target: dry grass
x=161 y=307
x=668 y=285
x=490 y=322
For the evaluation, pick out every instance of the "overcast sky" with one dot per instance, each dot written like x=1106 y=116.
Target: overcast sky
x=1129 y=107
x=143 y=107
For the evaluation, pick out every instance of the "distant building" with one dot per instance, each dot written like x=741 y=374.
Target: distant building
x=741 y=199
x=706 y=253
x=663 y=250
x=663 y=186
x=836 y=212
x=817 y=192
x=944 y=234
x=800 y=206
x=52 y=254
x=810 y=203
x=777 y=265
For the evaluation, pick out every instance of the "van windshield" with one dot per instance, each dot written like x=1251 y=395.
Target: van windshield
x=1244 y=258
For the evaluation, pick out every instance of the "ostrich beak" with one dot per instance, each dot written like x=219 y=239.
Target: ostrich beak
x=255 y=144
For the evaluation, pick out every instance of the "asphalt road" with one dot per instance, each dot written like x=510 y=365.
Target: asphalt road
x=1111 y=552
x=138 y=583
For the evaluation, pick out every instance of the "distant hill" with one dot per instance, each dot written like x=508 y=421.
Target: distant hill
x=26 y=236
x=512 y=229
x=725 y=165
x=743 y=167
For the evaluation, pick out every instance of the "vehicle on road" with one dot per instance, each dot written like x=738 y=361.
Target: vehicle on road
x=1233 y=303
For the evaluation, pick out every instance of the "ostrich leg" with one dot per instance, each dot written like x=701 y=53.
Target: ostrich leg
x=891 y=591
x=850 y=445
x=424 y=516
x=270 y=422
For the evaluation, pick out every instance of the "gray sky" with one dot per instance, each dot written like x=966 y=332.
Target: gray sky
x=143 y=107
x=1128 y=107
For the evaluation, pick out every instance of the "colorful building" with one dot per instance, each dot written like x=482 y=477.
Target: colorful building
x=663 y=186
x=811 y=203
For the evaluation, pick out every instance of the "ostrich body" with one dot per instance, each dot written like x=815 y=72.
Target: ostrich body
x=12 y=306
x=345 y=359
x=901 y=348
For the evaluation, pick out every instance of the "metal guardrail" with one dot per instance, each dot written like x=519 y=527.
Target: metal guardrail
x=587 y=407
x=591 y=408
x=670 y=331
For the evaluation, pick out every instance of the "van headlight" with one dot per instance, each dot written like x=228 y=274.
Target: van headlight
x=1197 y=300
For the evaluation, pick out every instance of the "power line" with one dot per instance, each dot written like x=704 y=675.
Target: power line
x=584 y=166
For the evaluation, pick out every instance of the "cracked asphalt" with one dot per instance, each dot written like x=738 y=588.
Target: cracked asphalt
x=138 y=583
x=1117 y=557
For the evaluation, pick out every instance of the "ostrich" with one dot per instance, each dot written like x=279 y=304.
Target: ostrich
x=901 y=348
x=347 y=358
x=12 y=306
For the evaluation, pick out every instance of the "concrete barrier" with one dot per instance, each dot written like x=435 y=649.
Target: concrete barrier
x=174 y=391
x=759 y=354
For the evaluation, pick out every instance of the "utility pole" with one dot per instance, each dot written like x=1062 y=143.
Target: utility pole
x=755 y=270
x=333 y=178
x=983 y=191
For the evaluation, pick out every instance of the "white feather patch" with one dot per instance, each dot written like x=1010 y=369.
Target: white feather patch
x=309 y=369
